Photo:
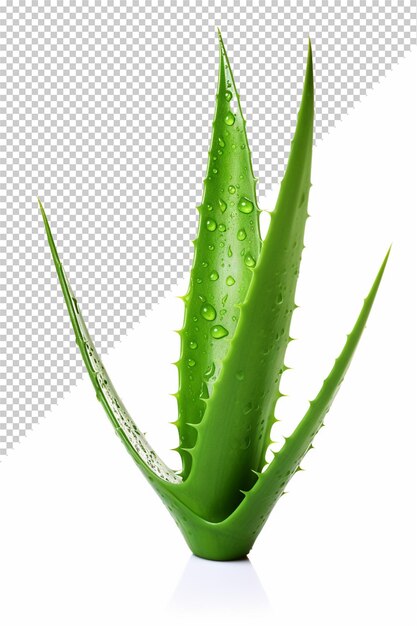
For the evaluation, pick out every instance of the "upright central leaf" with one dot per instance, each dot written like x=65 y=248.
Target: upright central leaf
x=226 y=252
x=234 y=434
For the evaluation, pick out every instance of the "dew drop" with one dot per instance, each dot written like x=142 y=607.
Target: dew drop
x=221 y=143
x=193 y=345
x=229 y=119
x=230 y=281
x=222 y=205
x=240 y=375
x=228 y=95
x=241 y=235
x=279 y=298
x=211 y=247
x=199 y=281
x=214 y=170
x=211 y=225
x=218 y=332
x=191 y=362
x=209 y=207
x=208 y=312
x=229 y=252
x=222 y=312
x=214 y=275
x=232 y=189
x=209 y=371
x=222 y=228
x=249 y=260
x=245 y=205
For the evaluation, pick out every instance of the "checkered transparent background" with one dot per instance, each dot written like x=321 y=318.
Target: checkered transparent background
x=106 y=114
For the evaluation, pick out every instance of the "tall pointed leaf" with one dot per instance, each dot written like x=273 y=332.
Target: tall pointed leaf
x=125 y=427
x=227 y=246
x=234 y=432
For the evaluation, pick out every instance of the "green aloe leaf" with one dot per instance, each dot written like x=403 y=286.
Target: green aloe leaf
x=234 y=434
x=232 y=357
x=227 y=246
x=124 y=425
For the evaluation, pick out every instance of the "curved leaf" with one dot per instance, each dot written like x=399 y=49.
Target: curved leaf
x=124 y=425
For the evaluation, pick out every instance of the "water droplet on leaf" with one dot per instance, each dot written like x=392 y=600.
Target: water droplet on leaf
x=211 y=225
x=222 y=205
x=208 y=312
x=241 y=235
x=249 y=260
x=209 y=371
x=214 y=275
x=229 y=119
x=245 y=205
x=218 y=332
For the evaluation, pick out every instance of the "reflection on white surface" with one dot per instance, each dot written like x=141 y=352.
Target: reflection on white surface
x=219 y=586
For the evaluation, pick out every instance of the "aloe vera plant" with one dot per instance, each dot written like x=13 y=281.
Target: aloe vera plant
x=238 y=311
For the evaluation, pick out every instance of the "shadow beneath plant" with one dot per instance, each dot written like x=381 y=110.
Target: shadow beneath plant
x=219 y=586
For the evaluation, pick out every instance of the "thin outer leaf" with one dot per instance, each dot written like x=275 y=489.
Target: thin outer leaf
x=271 y=483
x=228 y=242
x=234 y=433
x=125 y=427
